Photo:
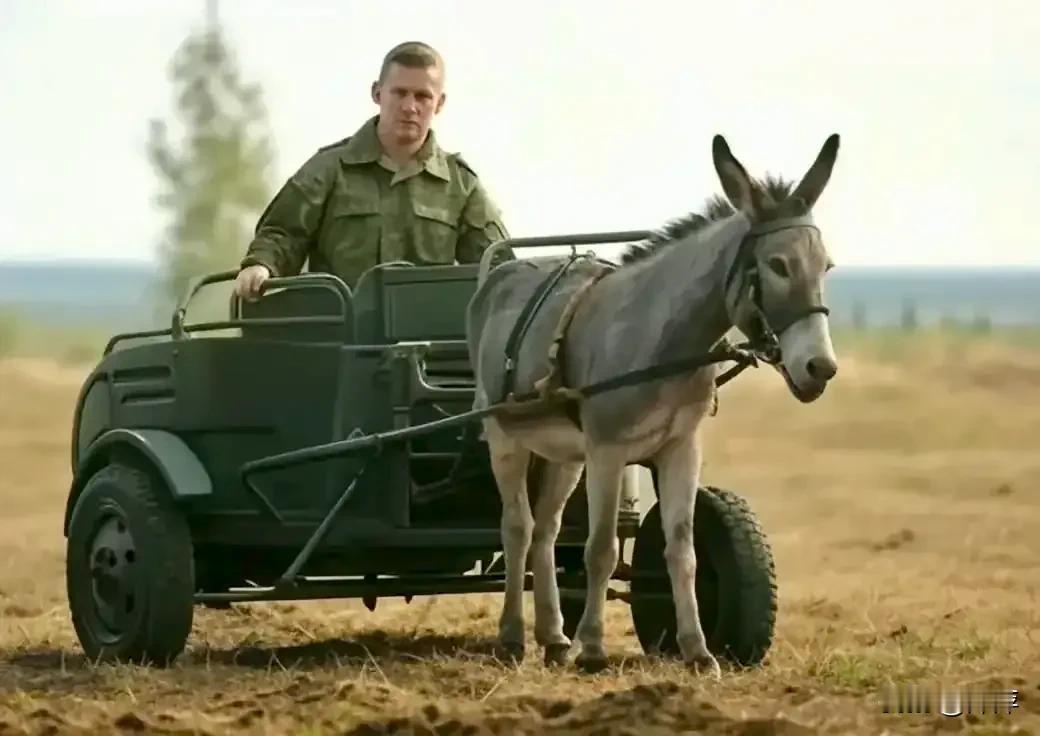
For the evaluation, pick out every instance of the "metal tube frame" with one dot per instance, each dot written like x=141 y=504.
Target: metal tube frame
x=315 y=588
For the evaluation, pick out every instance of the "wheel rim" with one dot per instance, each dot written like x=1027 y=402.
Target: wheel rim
x=114 y=578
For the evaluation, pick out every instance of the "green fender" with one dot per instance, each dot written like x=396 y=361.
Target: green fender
x=177 y=465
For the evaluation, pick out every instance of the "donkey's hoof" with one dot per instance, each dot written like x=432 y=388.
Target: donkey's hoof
x=556 y=654
x=511 y=652
x=591 y=663
x=706 y=665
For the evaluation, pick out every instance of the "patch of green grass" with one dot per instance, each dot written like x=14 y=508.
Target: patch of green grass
x=972 y=646
x=892 y=344
x=21 y=337
x=848 y=671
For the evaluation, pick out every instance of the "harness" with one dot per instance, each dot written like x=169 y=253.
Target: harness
x=763 y=346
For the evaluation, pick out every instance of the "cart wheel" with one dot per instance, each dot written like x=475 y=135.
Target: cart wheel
x=572 y=609
x=129 y=569
x=735 y=583
x=570 y=560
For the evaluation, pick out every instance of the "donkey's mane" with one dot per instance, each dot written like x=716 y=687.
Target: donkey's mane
x=716 y=208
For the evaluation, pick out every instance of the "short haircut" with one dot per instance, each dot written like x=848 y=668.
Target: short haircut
x=412 y=54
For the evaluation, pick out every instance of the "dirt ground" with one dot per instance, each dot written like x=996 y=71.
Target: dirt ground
x=903 y=513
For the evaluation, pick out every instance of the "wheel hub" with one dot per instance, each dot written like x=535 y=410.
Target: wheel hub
x=113 y=568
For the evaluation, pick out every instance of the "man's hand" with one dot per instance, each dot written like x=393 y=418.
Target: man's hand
x=249 y=283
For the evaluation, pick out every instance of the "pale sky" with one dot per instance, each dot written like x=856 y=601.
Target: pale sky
x=579 y=116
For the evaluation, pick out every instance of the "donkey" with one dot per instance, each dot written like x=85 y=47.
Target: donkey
x=757 y=265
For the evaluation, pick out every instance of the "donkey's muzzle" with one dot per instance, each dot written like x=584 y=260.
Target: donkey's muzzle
x=821 y=368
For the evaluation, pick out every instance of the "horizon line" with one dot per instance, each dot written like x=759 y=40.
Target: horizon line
x=143 y=262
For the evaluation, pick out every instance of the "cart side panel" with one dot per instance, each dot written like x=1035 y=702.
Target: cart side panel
x=238 y=400
x=366 y=407
x=93 y=415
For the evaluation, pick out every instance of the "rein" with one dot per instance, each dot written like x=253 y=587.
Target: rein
x=762 y=347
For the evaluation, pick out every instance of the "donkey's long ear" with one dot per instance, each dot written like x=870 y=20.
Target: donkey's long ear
x=735 y=180
x=811 y=186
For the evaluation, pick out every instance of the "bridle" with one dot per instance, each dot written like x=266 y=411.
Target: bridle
x=764 y=342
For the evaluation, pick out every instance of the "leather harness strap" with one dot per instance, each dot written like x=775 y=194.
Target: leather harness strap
x=524 y=320
x=544 y=384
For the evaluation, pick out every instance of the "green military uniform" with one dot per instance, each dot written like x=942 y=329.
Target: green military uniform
x=349 y=208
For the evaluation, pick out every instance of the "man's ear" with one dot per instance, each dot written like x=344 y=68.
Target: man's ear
x=375 y=91
x=440 y=103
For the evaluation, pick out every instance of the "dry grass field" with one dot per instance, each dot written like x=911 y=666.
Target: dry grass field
x=903 y=511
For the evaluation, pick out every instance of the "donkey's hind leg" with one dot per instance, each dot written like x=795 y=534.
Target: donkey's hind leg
x=557 y=482
x=604 y=468
x=509 y=462
x=679 y=474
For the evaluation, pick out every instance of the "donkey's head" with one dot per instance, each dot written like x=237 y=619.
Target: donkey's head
x=776 y=284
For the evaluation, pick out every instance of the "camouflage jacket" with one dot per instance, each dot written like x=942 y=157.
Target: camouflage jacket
x=347 y=209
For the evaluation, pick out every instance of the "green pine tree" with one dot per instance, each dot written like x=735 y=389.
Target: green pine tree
x=215 y=179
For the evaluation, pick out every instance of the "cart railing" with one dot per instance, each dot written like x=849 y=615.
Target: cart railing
x=179 y=330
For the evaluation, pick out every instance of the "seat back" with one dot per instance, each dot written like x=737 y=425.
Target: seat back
x=396 y=303
x=319 y=313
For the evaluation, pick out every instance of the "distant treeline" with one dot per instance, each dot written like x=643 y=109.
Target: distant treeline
x=913 y=298
x=68 y=311
x=123 y=295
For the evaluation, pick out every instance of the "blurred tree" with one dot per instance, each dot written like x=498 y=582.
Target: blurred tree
x=9 y=329
x=859 y=316
x=215 y=180
x=908 y=318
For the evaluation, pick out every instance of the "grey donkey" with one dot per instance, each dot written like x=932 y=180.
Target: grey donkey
x=758 y=266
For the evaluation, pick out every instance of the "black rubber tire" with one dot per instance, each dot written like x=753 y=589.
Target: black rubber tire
x=156 y=592
x=735 y=583
x=572 y=609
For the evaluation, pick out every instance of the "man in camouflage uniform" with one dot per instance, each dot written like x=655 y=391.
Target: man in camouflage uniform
x=386 y=193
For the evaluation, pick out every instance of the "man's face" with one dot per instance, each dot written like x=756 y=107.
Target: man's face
x=408 y=100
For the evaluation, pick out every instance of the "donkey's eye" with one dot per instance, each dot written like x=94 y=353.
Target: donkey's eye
x=777 y=266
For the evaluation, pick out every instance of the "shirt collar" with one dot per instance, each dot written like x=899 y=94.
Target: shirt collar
x=364 y=147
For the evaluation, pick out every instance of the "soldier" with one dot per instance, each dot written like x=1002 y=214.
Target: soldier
x=386 y=193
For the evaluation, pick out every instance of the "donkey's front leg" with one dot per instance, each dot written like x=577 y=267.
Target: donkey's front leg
x=679 y=475
x=604 y=468
x=509 y=462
